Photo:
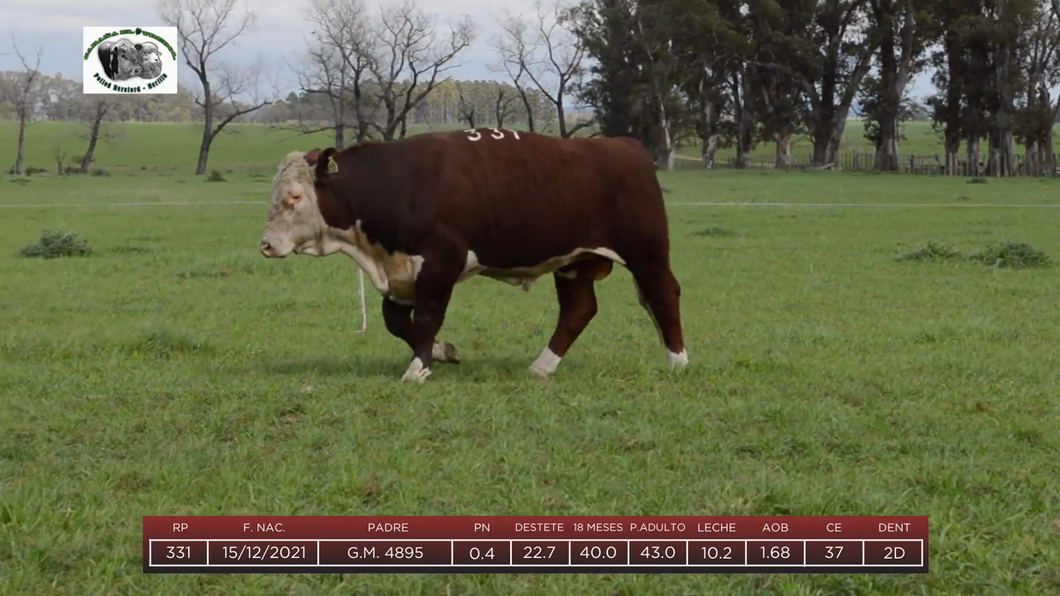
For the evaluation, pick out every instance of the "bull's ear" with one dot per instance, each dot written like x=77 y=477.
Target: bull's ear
x=311 y=156
x=324 y=163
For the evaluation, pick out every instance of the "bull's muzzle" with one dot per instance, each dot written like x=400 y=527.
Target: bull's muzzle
x=266 y=249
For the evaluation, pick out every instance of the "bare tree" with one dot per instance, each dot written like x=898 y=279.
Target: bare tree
x=337 y=66
x=502 y=105
x=23 y=95
x=99 y=108
x=514 y=58
x=406 y=58
x=550 y=55
x=205 y=27
x=465 y=106
x=60 y=151
x=324 y=74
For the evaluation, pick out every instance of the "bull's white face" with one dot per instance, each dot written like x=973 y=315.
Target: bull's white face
x=294 y=223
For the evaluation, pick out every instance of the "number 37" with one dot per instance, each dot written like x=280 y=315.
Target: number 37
x=474 y=135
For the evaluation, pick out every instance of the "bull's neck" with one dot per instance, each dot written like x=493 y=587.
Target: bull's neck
x=331 y=241
x=353 y=244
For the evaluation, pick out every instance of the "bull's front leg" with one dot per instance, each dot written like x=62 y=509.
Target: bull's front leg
x=434 y=287
x=398 y=320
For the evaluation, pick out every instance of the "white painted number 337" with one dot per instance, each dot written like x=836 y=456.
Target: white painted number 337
x=474 y=135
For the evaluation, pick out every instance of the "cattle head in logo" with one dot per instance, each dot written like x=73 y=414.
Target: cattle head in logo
x=122 y=59
x=150 y=60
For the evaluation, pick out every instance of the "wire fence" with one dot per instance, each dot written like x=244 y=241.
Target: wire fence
x=853 y=161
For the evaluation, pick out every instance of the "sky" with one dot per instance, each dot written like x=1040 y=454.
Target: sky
x=279 y=33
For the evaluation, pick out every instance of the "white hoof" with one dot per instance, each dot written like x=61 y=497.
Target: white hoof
x=677 y=361
x=445 y=352
x=545 y=364
x=539 y=372
x=415 y=372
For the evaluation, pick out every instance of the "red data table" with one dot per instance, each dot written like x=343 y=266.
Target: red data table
x=535 y=544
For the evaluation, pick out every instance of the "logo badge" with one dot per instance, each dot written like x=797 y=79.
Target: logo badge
x=130 y=60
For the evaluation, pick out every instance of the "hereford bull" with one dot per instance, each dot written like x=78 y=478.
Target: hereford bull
x=422 y=214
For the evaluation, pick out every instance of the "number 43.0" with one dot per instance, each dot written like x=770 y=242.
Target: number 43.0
x=474 y=135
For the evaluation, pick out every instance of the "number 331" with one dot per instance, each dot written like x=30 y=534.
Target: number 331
x=474 y=135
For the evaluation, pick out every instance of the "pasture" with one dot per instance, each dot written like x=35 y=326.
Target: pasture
x=176 y=371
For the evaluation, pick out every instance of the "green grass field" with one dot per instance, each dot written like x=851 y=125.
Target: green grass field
x=175 y=371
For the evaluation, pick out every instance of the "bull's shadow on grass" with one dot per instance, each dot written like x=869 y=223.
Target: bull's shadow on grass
x=129 y=249
x=393 y=366
x=166 y=343
x=332 y=366
x=716 y=232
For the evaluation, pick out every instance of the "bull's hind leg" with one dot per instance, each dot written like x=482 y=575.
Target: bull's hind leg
x=398 y=320
x=577 y=306
x=660 y=294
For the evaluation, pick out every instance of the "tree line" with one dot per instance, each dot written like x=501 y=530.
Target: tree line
x=740 y=73
x=450 y=104
x=720 y=73
x=366 y=73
